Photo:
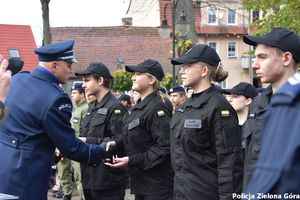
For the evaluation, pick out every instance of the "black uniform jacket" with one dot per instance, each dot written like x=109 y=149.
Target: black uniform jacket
x=84 y=128
x=252 y=132
x=205 y=148
x=105 y=123
x=146 y=138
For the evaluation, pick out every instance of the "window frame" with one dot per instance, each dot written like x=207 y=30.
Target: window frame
x=236 y=49
x=14 y=51
x=215 y=12
x=235 y=16
x=217 y=45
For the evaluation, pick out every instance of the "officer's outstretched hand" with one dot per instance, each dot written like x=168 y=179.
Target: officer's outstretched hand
x=110 y=144
x=118 y=162
x=5 y=77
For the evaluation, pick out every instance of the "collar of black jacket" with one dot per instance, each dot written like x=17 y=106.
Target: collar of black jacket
x=141 y=104
x=197 y=100
x=104 y=100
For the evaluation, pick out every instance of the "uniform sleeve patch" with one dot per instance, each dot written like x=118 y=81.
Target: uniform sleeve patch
x=63 y=106
x=160 y=113
x=117 y=112
x=225 y=113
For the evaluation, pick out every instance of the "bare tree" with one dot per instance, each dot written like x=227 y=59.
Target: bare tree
x=46 y=22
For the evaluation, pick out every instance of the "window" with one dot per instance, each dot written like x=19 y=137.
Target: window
x=255 y=15
x=212 y=16
x=232 y=50
x=213 y=45
x=14 y=53
x=231 y=16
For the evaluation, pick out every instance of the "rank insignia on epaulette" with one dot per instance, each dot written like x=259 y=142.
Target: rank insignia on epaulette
x=117 y=112
x=225 y=113
x=160 y=113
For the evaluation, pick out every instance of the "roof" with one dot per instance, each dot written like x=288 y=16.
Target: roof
x=110 y=44
x=19 y=37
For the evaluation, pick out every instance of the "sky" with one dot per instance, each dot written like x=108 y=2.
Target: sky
x=63 y=13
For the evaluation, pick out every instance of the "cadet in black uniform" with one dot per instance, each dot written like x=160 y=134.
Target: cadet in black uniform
x=105 y=122
x=146 y=137
x=205 y=138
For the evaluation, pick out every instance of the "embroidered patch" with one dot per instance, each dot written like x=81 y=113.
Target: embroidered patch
x=225 y=113
x=117 y=112
x=63 y=106
x=160 y=113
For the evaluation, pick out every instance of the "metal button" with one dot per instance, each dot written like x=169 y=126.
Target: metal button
x=13 y=142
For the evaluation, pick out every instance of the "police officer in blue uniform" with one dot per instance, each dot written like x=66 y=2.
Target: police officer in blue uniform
x=39 y=121
x=273 y=64
x=277 y=169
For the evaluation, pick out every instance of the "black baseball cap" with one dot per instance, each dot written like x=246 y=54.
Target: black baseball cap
x=125 y=97
x=95 y=68
x=243 y=88
x=152 y=67
x=199 y=53
x=281 y=38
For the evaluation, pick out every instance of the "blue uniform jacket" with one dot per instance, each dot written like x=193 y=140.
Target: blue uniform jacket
x=39 y=121
x=277 y=170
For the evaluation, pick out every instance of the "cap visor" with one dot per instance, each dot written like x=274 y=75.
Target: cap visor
x=183 y=60
x=255 y=40
x=226 y=91
x=134 y=68
x=83 y=72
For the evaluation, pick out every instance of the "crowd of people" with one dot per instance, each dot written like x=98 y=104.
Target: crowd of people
x=193 y=141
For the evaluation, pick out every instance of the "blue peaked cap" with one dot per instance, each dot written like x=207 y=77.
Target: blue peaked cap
x=57 y=51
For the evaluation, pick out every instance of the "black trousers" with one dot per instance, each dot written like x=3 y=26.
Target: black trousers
x=110 y=194
x=154 y=197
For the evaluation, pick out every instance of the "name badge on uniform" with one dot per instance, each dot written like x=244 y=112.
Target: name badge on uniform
x=193 y=123
x=134 y=124
x=102 y=111
x=75 y=119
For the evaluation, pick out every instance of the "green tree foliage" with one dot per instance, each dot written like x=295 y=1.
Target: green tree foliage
x=122 y=80
x=276 y=13
x=167 y=81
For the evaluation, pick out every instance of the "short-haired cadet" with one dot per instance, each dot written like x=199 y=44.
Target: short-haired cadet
x=276 y=58
x=177 y=96
x=39 y=120
x=104 y=123
x=277 y=168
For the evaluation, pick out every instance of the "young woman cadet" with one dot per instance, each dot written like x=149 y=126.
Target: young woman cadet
x=146 y=137
x=205 y=138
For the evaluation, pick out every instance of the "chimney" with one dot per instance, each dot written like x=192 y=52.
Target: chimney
x=127 y=21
